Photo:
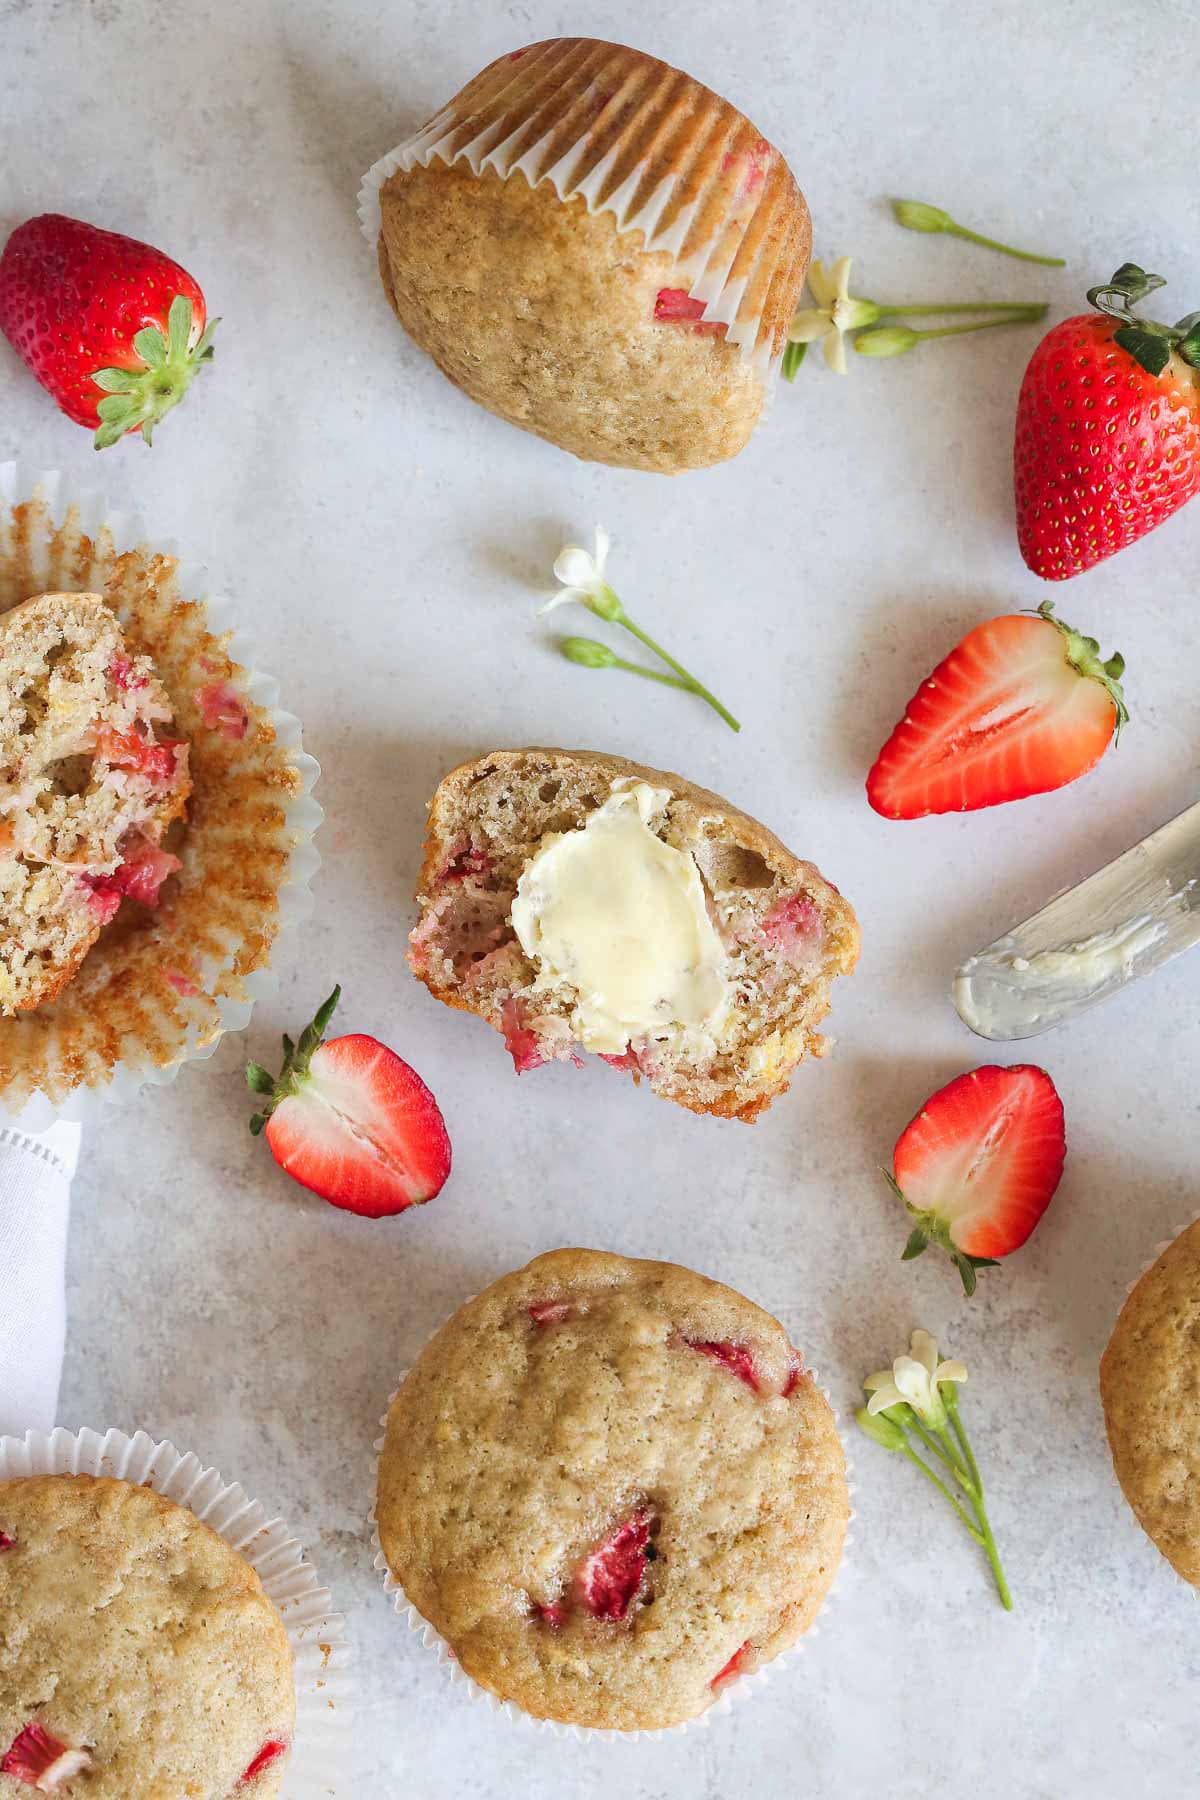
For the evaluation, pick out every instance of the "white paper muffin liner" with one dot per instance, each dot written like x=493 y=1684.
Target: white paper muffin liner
x=1163 y=1245
x=735 y=1691
x=320 y=1755
x=62 y=538
x=548 y=118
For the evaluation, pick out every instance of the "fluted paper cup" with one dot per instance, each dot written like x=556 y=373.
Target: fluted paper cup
x=664 y=155
x=320 y=1755
x=159 y=989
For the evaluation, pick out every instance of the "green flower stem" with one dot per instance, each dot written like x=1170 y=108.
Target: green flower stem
x=630 y=668
x=688 y=680
x=1022 y=317
x=973 y=237
x=964 y=306
x=988 y=1537
x=964 y=1445
x=942 y=1489
x=945 y=1450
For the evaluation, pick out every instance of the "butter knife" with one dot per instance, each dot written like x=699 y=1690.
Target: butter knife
x=1121 y=923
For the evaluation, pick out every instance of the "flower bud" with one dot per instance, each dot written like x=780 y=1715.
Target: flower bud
x=914 y=215
x=886 y=340
x=587 y=653
x=884 y=1431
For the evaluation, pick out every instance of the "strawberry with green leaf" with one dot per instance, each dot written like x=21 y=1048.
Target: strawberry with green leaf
x=111 y=327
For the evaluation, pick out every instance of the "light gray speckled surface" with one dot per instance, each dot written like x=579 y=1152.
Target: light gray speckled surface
x=385 y=538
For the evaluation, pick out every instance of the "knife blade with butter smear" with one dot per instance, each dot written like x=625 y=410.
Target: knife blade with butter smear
x=1121 y=923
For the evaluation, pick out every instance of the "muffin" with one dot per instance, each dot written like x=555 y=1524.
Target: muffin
x=581 y=901
x=139 y=1655
x=612 y=1487
x=1150 y=1388
x=598 y=249
x=90 y=780
x=163 y=904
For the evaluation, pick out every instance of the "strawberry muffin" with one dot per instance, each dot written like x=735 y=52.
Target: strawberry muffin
x=1150 y=1388
x=139 y=1656
x=612 y=1487
x=598 y=249
x=92 y=775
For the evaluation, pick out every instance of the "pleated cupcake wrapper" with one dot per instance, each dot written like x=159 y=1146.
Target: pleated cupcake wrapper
x=247 y=850
x=321 y=1751
x=734 y=1692
x=1159 y=1248
x=659 y=152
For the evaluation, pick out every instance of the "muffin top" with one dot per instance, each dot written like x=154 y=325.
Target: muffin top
x=139 y=1655
x=611 y=1485
x=1150 y=1386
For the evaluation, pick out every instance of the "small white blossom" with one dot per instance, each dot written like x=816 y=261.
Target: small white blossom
x=581 y=572
x=914 y=1381
x=836 y=312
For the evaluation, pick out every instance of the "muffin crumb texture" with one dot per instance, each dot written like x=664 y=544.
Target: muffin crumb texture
x=140 y=1658
x=612 y=1487
x=1150 y=1387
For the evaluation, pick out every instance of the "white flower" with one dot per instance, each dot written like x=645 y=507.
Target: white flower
x=835 y=313
x=581 y=572
x=914 y=1381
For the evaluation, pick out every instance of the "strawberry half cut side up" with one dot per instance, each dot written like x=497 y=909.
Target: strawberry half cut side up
x=111 y=327
x=611 y=1576
x=1023 y=705
x=42 y=1761
x=1107 y=442
x=980 y=1164
x=352 y=1122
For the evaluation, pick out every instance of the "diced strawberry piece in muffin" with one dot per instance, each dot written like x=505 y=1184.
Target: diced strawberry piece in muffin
x=124 y=675
x=42 y=1761
x=550 y=1312
x=735 y=1357
x=6 y=1542
x=675 y=306
x=553 y=1617
x=793 y=929
x=271 y=1751
x=223 y=709
x=180 y=982
x=611 y=1577
x=734 y=1666
x=626 y=1060
x=158 y=762
x=794 y=1378
x=522 y=1043
x=103 y=896
x=472 y=862
x=143 y=872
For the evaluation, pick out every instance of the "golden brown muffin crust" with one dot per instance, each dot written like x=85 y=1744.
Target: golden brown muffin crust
x=1150 y=1388
x=131 y=1628
x=520 y=1440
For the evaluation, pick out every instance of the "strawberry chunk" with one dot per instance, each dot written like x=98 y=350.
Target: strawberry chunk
x=158 y=762
x=626 y=1060
x=468 y=864
x=42 y=1761
x=139 y=877
x=675 y=306
x=123 y=675
x=795 y=1376
x=523 y=1045
x=553 y=1617
x=6 y=1542
x=181 y=984
x=793 y=929
x=550 y=1312
x=271 y=1751
x=611 y=1576
x=734 y=1666
x=735 y=1357
x=223 y=709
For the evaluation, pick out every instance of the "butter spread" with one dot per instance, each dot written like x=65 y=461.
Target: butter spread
x=1001 y=994
x=618 y=918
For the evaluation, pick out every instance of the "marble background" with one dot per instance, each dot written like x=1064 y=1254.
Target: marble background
x=387 y=541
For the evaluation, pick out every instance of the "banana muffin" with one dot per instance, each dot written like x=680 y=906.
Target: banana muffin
x=139 y=1655
x=612 y=1487
x=599 y=249
x=1150 y=1387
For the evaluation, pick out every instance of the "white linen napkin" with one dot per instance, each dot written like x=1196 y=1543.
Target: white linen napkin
x=35 y=1200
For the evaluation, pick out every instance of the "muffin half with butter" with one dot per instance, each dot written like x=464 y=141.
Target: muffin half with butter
x=578 y=901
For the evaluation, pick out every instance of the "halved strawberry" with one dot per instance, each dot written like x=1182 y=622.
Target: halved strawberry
x=39 y=1760
x=611 y=1576
x=980 y=1163
x=352 y=1122
x=1021 y=706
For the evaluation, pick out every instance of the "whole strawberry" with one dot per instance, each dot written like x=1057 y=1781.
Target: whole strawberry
x=112 y=328
x=1108 y=430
